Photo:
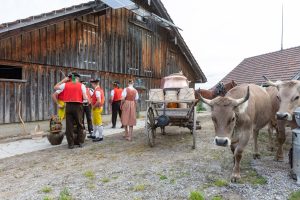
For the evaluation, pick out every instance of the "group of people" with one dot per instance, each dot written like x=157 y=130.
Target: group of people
x=74 y=100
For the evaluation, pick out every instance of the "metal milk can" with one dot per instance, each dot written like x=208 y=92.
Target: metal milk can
x=296 y=147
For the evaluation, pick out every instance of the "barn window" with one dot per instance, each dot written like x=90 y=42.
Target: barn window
x=10 y=72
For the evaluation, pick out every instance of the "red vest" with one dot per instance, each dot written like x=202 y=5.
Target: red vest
x=94 y=98
x=60 y=96
x=73 y=92
x=117 y=94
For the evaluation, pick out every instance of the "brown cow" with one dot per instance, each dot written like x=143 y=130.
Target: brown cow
x=243 y=111
x=220 y=90
x=272 y=125
x=288 y=97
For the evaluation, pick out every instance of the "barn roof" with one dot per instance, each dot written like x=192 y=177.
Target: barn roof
x=279 y=65
x=19 y=23
x=97 y=5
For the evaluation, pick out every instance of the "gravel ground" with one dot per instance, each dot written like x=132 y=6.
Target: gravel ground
x=118 y=169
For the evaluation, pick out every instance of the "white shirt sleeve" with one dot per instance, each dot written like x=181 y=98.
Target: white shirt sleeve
x=83 y=89
x=124 y=93
x=112 y=93
x=98 y=94
x=137 y=96
x=62 y=86
x=58 y=91
x=91 y=92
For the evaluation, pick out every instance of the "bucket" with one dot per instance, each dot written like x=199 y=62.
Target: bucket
x=156 y=95
x=55 y=138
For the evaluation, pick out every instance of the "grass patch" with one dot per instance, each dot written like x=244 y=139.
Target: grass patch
x=65 y=195
x=91 y=186
x=200 y=107
x=48 y=198
x=294 y=195
x=46 y=189
x=221 y=183
x=163 y=177
x=172 y=181
x=196 y=196
x=105 y=180
x=213 y=181
x=139 y=188
x=217 y=198
x=89 y=174
x=253 y=178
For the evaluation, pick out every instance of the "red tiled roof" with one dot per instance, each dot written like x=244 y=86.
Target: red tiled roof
x=279 y=65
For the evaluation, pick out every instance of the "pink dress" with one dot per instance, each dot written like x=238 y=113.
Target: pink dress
x=128 y=117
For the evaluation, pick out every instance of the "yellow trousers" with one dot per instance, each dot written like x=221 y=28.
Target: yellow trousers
x=61 y=112
x=97 y=116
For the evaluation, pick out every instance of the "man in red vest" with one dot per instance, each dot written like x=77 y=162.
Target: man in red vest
x=87 y=108
x=115 y=98
x=74 y=94
x=97 y=108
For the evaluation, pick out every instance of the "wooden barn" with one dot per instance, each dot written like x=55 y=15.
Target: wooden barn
x=136 y=41
x=279 y=65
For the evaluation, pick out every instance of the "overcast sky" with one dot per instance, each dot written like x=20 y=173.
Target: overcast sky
x=219 y=33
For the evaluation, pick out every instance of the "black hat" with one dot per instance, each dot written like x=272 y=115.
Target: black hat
x=95 y=80
x=116 y=82
x=73 y=74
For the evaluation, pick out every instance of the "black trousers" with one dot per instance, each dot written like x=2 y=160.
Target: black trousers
x=88 y=115
x=115 y=108
x=74 y=112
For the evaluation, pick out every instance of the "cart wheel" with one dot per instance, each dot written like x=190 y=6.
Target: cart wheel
x=194 y=128
x=151 y=129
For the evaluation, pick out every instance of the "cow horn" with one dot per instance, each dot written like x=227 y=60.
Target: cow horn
x=207 y=101
x=244 y=99
x=269 y=82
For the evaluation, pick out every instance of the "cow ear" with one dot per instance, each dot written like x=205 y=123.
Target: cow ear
x=242 y=107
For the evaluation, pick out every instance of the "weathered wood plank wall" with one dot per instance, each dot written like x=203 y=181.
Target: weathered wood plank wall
x=116 y=47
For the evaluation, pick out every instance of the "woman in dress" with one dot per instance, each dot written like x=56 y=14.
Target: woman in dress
x=128 y=106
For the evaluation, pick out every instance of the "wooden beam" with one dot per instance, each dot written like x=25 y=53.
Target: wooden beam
x=86 y=23
x=13 y=80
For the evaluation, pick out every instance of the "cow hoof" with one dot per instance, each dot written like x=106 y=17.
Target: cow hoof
x=256 y=156
x=235 y=178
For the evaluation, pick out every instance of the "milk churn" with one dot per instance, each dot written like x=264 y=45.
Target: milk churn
x=296 y=147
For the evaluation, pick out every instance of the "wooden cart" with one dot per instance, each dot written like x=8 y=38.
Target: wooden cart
x=158 y=115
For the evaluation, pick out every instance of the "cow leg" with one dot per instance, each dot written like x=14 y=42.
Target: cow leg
x=236 y=169
x=256 y=155
x=233 y=147
x=281 y=139
x=238 y=151
x=271 y=141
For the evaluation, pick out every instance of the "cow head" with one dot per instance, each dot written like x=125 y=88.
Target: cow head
x=224 y=112
x=288 y=97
